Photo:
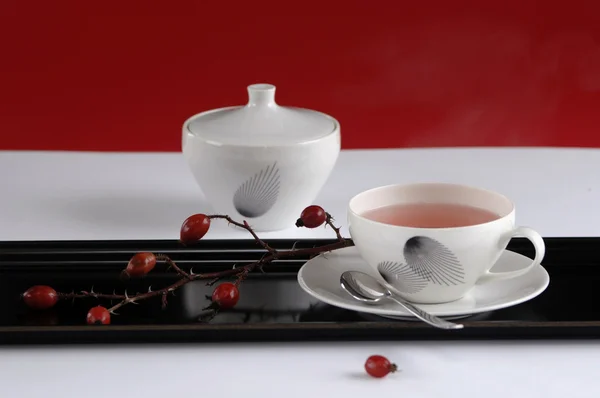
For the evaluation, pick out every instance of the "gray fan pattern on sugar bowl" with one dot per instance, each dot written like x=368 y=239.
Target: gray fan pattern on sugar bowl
x=258 y=194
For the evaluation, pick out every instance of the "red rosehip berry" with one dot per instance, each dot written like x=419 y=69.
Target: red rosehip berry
x=140 y=264
x=98 y=316
x=226 y=295
x=194 y=228
x=379 y=366
x=312 y=217
x=40 y=297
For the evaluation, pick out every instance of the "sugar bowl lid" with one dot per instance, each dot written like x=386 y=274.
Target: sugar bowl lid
x=261 y=122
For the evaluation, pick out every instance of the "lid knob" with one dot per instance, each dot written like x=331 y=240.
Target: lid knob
x=261 y=95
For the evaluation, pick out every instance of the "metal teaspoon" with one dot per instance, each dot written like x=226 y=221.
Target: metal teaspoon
x=365 y=288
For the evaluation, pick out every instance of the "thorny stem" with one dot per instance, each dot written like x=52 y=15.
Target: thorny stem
x=171 y=263
x=329 y=221
x=91 y=293
x=241 y=272
x=248 y=228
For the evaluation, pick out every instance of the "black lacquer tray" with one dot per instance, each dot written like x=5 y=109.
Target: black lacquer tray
x=272 y=306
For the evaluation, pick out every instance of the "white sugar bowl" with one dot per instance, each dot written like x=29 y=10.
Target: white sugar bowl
x=261 y=162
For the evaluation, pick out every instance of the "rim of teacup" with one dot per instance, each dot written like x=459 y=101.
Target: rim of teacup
x=509 y=203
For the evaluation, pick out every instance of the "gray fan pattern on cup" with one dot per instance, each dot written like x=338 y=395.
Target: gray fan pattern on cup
x=427 y=260
x=402 y=277
x=433 y=261
x=257 y=195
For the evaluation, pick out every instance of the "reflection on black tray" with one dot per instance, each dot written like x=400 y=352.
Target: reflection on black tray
x=272 y=299
x=271 y=303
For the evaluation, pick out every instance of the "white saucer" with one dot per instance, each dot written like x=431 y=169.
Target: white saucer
x=320 y=277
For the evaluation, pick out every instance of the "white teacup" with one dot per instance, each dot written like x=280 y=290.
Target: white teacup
x=445 y=238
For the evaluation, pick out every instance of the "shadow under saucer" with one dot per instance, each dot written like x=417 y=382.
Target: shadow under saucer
x=471 y=317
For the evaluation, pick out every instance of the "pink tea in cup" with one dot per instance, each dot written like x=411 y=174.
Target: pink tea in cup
x=430 y=215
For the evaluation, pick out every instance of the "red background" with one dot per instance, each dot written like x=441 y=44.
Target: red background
x=84 y=75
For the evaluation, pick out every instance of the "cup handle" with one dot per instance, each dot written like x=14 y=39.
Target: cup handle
x=540 y=251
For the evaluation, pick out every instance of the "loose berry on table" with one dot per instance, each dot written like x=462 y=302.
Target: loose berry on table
x=379 y=366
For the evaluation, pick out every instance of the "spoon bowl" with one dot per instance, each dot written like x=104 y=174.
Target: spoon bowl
x=364 y=289
x=367 y=289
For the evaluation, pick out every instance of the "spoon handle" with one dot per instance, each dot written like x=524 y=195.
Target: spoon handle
x=425 y=317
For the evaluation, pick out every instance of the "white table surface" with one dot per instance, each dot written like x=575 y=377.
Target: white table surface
x=45 y=195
